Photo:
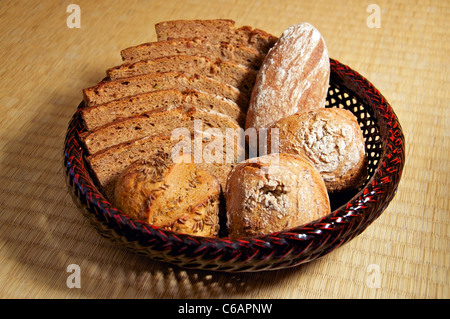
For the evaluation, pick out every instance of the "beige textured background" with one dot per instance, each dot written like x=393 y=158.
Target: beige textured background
x=45 y=65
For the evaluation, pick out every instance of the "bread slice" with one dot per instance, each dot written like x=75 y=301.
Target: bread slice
x=215 y=104
x=107 y=91
x=153 y=123
x=99 y=115
x=177 y=196
x=228 y=72
x=214 y=28
x=218 y=30
x=238 y=53
x=108 y=164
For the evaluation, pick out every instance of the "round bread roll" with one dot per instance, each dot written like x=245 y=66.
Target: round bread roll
x=174 y=195
x=272 y=193
x=332 y=141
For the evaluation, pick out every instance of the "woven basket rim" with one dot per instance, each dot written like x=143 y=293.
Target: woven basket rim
x=386 y=175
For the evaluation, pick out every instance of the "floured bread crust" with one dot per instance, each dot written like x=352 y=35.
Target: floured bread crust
x=332 y=141
x=294 y=76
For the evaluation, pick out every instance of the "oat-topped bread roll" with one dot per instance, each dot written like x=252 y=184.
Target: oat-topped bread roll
x=173 y=195
x=293 y=77
x=331 y=139
x=273 y=193
x=215 y=30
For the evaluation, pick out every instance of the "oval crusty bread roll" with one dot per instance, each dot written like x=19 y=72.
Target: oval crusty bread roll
x=176 y=196
x=294 y=76
x=272 y=193
x=331 y=139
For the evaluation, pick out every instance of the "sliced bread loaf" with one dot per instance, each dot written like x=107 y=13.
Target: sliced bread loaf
x=154 y=123
x=108 y=164
x=107 y=91
x=99 y=115
x=218 y=30
x=228 y=72
x=238 y=53
x=215 y=104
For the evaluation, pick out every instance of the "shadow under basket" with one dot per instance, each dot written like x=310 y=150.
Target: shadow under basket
x=384 y=142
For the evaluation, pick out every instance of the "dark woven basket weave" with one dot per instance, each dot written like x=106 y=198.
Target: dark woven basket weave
x=385 y=148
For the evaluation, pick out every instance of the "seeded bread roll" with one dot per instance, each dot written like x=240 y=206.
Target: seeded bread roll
x=293 y=77
x=273 y=193
x=332 y=141
x=175 y=196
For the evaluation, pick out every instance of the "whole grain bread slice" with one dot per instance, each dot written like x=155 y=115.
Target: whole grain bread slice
x=99 y=115
x=108 y=164
x=228 y=72
x=216 y=30
x=215 y=104
x=153 y=123
x=238 y=53
x=107 y=91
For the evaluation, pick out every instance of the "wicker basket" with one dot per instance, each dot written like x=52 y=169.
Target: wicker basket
x=350 y=216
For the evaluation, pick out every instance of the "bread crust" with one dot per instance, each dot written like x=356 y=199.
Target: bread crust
x=331 y=139
x=274 y=193
x=294 y=76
